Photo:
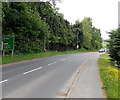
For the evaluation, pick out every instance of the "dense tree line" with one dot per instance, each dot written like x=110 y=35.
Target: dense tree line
x=38 y=26
x=114 y=46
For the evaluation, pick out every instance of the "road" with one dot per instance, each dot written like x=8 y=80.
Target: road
x=53 y=77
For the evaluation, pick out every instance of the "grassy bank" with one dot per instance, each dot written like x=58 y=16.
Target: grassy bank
x=8 y=59
x=109 y=75
x=106 y=55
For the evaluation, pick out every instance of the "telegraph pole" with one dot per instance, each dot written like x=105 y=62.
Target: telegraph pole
x=77 y=31
x=77 y=41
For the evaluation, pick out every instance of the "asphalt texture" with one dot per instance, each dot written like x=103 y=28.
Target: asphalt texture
x=62 y=76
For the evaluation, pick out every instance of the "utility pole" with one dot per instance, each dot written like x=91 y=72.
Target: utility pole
x=77 y=41
x=77 y=31
x=44 y=43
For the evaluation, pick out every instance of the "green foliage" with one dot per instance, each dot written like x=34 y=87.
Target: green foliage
x=114 y=46
x=27 y=26
x=78 y=32
x=109 y=76
x=37 y=27
x=8 y=58
x=106 y=55
x=87 y=33
x=61 y=37
x=96 y=41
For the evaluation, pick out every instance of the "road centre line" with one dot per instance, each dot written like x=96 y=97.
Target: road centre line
x=52 y=63
x=62 y=59
x=37 y=69
x=32 y=70
x=3 y=81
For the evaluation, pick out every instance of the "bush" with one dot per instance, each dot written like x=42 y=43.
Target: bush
x=114 y=46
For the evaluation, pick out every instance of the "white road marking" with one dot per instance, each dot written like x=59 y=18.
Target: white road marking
x=52 y=63
x=3 y=81
x=62 y=60
x=32 y=70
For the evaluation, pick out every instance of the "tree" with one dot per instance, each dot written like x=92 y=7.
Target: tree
x=60 y=37
x=37 y=26
x=54 y=2
x=78 y=32
x=27 y=26
x=87 y=33
x=96 y=41
x=114 y=46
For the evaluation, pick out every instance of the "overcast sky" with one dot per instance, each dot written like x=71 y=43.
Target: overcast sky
x=104 y=13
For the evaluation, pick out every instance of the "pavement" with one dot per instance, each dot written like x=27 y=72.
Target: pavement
x=63 y=76
x=87 y=84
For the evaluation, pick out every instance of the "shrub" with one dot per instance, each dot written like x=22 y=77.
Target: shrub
x=114 y=46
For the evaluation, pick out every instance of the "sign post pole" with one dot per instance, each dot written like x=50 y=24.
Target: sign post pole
x=12 y=53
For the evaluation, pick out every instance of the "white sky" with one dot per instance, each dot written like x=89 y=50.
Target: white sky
x=104 y=13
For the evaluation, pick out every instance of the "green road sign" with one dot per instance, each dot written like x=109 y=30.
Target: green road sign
x=8 y=42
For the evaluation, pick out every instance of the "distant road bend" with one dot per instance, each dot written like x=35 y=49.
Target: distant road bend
x=53 y=77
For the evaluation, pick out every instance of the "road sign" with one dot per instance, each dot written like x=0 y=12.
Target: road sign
x=8 y=42
x=77 y=46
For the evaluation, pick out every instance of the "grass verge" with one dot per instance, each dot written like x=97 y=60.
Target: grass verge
x=8 y=59
x=106 y=55
x=109 y=76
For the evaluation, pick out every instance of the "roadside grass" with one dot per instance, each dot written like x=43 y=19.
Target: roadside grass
x=106 y=55
x=8 y=58
x=109 y=75
x=0 y=60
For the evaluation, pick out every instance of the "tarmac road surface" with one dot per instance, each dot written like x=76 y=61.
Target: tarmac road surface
x=62 y=76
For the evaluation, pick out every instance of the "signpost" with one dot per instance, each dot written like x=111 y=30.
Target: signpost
x=77 y=46
x=8 y=43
